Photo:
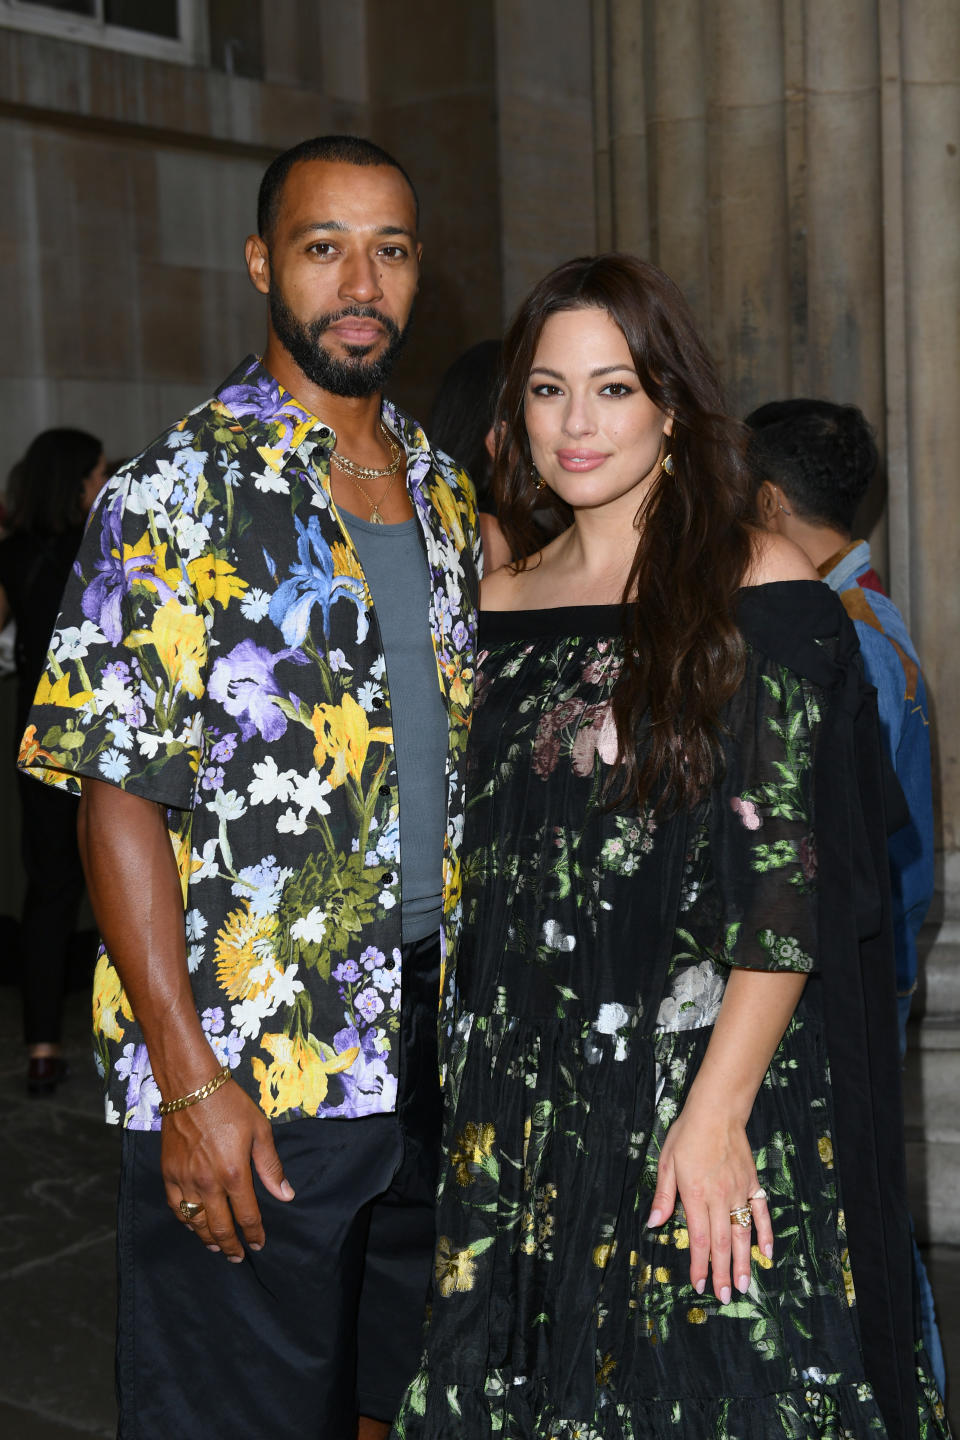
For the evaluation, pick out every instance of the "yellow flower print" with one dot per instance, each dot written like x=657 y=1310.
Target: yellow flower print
x=452 y=889
x=59 y=694
x=605 y=1369
x=344 y=735
x=661 y=1275
x=159 y=570
x=696 y=1315
x=243 y=967
x=825 y=1147
x=602 y=1254
x=298 y=1076
x=180 y=639
x=109 y=997
x=31 y=751
x=681 y=1238
x=446 y=503
x=762 y=1260
x=346 y=561
x=848 y=1286
x=474 y=1145
x=454 y=1269
x=214 y=577
x=461 y=687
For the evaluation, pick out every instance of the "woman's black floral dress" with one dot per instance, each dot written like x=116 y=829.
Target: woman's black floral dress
x=595 y=952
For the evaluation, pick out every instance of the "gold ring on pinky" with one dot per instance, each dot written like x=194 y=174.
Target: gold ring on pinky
x=190 y=1209
x=741 y=1216
x=760 y=1194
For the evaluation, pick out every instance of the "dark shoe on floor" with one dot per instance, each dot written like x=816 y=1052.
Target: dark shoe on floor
x=45 y=1073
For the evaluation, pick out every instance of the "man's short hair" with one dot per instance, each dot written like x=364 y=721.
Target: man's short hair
x=345 y=149
x=822 y=456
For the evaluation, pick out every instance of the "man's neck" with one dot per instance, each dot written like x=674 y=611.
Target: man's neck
x=819 y=542
x=354 y=420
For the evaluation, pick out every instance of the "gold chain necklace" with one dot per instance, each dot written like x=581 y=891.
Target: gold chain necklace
x=355 y=473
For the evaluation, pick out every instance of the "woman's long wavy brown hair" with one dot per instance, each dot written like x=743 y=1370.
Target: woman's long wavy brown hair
x=683 y=652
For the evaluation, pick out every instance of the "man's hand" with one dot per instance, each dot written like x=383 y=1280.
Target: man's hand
x=135 y=891
x=206 y=1156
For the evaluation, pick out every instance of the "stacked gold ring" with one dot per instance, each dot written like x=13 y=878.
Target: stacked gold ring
x=742 y=1215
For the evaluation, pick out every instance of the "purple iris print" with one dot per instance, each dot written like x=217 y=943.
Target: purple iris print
x=312 y=582
x=143 y=1094
x=114 y=576
x=366 y=1087
x=243 y=682
x=260 y=398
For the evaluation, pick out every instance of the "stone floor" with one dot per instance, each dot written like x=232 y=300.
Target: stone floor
x=57 y=1184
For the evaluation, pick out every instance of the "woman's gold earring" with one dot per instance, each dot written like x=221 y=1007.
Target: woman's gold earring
x=538 y=479
x=668 y=464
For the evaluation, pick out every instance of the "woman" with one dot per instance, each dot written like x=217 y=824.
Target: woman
x=50 y=491
x=640 y=1227
x=461 y=424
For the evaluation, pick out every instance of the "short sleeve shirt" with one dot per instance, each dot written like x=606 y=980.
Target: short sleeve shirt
x=218 y=652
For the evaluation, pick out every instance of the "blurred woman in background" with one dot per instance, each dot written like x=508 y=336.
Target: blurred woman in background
x=49 y=493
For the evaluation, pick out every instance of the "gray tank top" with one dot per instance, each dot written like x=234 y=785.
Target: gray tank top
x=395 y=567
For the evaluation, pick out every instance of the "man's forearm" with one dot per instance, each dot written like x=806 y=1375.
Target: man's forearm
x=135 y=893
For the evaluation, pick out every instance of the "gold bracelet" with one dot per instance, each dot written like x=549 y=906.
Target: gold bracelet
x=167 y=1107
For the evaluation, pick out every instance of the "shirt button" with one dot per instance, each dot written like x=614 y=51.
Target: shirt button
x=385 y=790
x=388 y=877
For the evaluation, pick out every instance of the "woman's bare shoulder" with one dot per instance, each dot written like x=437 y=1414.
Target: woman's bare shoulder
x=502 y=589
x=777 y=558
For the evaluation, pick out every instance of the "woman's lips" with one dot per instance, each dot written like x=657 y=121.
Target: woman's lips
x=576 y=460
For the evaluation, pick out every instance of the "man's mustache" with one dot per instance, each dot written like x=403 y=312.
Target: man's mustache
x=353 y=312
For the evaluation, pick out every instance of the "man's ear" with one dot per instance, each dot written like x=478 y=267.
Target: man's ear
x=768 y=506
x=258 y=263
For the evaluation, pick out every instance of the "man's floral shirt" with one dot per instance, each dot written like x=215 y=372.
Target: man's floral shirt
x=217 y=651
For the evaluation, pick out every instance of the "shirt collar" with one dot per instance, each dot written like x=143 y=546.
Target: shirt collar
x=278 y=424
x=841 y=568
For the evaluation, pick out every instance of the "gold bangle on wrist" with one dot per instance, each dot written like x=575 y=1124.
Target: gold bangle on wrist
x=167 y=1107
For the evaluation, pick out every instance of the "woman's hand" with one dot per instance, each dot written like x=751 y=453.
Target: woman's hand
x=707 y=1159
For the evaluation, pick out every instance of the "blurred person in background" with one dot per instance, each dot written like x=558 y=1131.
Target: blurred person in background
x=49 y=493
x=814 y=461
x=461 y=424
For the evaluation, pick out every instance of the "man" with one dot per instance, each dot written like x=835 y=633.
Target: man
x=818 y=460
x=260 y=686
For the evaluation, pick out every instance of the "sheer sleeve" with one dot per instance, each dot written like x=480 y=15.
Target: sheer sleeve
x=764 y=838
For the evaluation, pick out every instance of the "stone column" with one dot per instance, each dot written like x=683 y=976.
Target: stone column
x=931 y=207
x=546 y=143
x=678 y=140
x=844 y=217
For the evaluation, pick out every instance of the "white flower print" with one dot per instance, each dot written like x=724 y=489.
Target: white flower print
x=694 y=1000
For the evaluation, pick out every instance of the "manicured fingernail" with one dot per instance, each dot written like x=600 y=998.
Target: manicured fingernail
x=235 y=1259
x=287 y=1190
x=653 y=1218
x=699 y=1287
x=743 y=1283
x=214 y=1248
x=725 y=1295
x=256 y=1247
x=768 y=1251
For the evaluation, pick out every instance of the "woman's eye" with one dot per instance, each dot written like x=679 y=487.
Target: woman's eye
x=617 y=389
x=545 y=389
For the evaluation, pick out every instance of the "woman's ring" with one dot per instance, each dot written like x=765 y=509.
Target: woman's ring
x=760 y=1194
x=741 y=1216
x=190 y=1209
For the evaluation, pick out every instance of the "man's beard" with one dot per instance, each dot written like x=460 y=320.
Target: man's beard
x=355 y=376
